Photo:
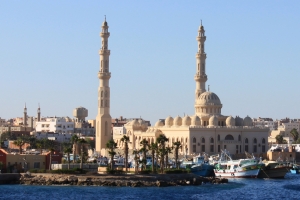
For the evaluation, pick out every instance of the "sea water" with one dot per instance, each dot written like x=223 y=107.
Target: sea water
x=288 y=188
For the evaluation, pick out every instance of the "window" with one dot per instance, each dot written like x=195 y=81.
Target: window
x=211 y=140
x=218 y=137
x=194 y=140
x=254 y=148
x=237 y=149
x=219 y=148
x=229 y=137
x=36 y=165
x=246 y=140
x=203 y=140
x=246 y=147
x=194 y=148
x=203 y=148
x=239 y=138
x=224 y=146
x=212 y=148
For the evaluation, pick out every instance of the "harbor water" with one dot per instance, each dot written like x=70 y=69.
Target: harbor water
x=288 y=188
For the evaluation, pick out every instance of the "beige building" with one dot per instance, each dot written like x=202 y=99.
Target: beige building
x=207 y=130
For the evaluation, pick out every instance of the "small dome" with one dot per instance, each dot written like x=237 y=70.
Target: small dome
x=104 y=23
x=177 y=121
x=159 y=123
x=169 y=121
x=208 y=98
x=248 y=121
x=213 y=121
x=239 y=121
x=230 y=121
x=186 y=121
x=195 y=121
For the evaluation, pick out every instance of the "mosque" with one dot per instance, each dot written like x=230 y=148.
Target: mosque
x=207 y=130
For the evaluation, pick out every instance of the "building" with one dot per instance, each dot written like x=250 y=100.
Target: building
x=103 y=119
x=82 y=127
x=56 y=125
x=265 y=122
x=284 y=128
x=207 y=130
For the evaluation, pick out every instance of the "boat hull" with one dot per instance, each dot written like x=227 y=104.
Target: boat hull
x=279 y=172
x=203 y=170
x=236 y=174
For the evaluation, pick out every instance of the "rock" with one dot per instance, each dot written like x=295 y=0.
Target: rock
x=161 y=184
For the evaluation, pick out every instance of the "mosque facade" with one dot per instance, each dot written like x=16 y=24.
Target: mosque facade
x=207 y=130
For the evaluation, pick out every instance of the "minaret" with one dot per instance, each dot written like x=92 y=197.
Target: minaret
x=103 y=119
x=200 y=76
x=25 y=116
x=39 y=114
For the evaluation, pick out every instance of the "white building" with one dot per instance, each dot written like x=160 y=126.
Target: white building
x=265 y=122
x=56 y=125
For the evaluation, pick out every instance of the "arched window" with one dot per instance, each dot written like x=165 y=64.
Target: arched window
x=105 y=128
x=194 y=140
x=254 y=141
x=203 y=140
x=211 y=140
x=218 y=137
x=239 y=138
x=229 y=137
x=246 y=140
x=102 y=93
x=263 y=141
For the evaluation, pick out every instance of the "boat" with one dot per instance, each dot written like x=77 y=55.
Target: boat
x=242 y=168
x=274 y=169
x=295 y=169
x=199 y=166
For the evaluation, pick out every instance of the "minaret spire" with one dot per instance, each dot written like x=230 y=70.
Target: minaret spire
x=103 y=119
x=25 y=116
x=39 y=113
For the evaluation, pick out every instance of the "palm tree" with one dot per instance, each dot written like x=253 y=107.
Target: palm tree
x=168 y=151
x=81 y=142
x=144 y=150
x=111 y=146
x=39 y=146
x=136 y=158
x=19 y=142
x=294 y=134
x=68 y=150
x=74 y=140
x=177 y=146
x=279 y=139
x=125 y=139
x=161 y=140
x=51 y=151
x=153 y=148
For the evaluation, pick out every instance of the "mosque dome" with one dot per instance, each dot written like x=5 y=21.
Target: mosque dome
x=186 y=121
x=213 y=121
x=177 y=121
x=169 y=121
x=195 y=120
x=230 y=121
x=159 y=123
x=208 y=98
x=239 y=121
x=248 y=121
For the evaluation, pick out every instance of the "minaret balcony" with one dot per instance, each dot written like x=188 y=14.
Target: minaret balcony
x=198 y=77
x=201 y=55
x=104 y=75
x=104 y=52
x=104 y=34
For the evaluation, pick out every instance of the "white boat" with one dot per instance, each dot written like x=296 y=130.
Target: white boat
x=242 y=168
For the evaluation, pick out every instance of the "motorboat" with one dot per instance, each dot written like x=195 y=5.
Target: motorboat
x=198 y=165
x=274 y=169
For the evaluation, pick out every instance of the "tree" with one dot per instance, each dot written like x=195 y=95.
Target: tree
x=136 y=158
x=177 y=146
x=19 y=142
x=90 y=142
x=153 y=147
x=81 y=142
x=168 y=151
x=111 y=146
x=279 y=139
x=39 y=145
x=68 y=150
x=125 y=139
x=50 y=163
x=294 y=134
x=74 y=140
x=144 y=150
x=161 y=140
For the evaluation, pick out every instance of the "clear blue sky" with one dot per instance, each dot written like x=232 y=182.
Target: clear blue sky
x=49 y=55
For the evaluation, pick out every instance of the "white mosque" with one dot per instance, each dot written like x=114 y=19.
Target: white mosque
x=205 y=131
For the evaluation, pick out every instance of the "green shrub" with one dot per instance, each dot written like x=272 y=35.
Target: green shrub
x=177 y=171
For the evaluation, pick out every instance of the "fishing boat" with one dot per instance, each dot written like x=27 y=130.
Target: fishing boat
x=274 y=169
x=199 y=166
x=242 y=168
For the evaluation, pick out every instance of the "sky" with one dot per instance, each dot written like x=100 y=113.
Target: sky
x=49 y=56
